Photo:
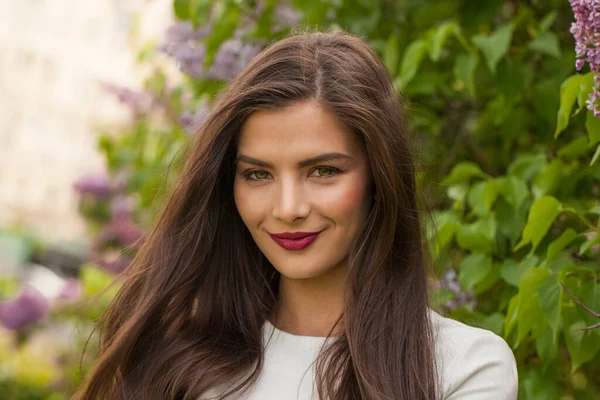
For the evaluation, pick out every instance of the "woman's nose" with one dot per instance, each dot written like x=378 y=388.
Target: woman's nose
x=291 y=202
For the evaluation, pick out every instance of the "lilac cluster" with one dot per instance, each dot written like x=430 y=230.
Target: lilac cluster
x=121 y=230
x=71 y=291
x=31 y=306
x=96 y=185
x=186 y=46
x=114 y=262
x=286 y=16
x=138 y=102
x=100 y=185
x=450 y=281
x=28 y=308
x=192 y=120
x=586 y=30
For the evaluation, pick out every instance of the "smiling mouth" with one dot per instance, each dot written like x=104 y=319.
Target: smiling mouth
x=295 y=241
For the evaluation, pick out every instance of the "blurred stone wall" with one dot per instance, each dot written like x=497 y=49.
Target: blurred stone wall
x=54 y=57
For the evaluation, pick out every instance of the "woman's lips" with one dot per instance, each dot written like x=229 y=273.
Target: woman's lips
x=295 y=244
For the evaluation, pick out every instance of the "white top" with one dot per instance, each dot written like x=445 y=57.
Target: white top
x=473 y=364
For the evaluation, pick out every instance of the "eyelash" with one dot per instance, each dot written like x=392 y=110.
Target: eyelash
x=334 y=172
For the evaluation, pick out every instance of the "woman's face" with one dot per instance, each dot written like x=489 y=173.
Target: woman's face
x=300 y=171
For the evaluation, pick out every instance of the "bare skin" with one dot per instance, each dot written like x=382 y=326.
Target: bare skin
x=276 y=192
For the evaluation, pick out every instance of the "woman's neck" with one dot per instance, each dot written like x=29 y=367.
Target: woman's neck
x=311 y=307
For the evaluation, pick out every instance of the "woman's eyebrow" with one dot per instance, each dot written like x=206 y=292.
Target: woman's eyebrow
x=301 y=164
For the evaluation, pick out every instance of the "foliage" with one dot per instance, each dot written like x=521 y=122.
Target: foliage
x=507 y=148
x=42 y=360
x=492 y=92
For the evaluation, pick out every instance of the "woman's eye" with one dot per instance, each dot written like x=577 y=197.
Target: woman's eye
x=319 y=172
x=261 y=174
x=256 y=175
x=325 y=172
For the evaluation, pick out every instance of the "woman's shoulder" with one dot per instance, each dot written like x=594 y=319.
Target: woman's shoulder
x=473 y=363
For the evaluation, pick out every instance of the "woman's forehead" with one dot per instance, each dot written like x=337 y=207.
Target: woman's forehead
x=300 y=130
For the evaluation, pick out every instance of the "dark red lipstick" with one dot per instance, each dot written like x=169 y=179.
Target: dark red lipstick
x=294 y=240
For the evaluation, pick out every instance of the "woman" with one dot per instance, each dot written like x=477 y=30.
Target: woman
x=289 y=260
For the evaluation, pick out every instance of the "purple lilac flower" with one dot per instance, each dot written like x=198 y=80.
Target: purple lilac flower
x=101 y=185
x=138 y=102
x=286 y=16
x=122 y=230
x=463 y=298
x=586 y=31
x=97 y=185
x=121 y=207
x=28 y=308
x=71 y=291
x=114 y=263
x=186 y=46
x=233 y=56
x=192 y=120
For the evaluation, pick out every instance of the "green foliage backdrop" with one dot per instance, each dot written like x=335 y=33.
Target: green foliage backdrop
x=507 y=154
x=507 y=151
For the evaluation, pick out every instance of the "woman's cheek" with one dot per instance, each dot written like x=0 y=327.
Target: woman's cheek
x=251 y=202
x=345 y=198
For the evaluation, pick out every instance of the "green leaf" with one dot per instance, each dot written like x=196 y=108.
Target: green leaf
x=513 y=189
x=511 y=270
x=547 y=21
x=512 y=79
x=594 y=210
x=481 y=196
x=413 y=55
x=549 y=178
x=182 y=9
x=493 y=322
x=542 y=214
x=464 y=70
x=473 y=269
x=586 y=85
x=391 y=54
x=545 y=346
x=530 y=316
x=446 y=225
x=510 y=221
x=590 y=296
x=585 y=246
x=479 y=237
x=549 y=294
x=569 y=91
x=582 y=345
x=488 y=281
x=527 y=166
x=575 y=148
x=538 y=383
x=546 y=43
x=510 y=320
x=439 y=38
x=200 y=11
x=495 y=46
x=563 y=241
x=462 y=172
x=226 y=20
x=596 y=155
x=592 y=125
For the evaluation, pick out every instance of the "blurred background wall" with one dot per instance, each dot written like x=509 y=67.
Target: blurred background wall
x=55 y=57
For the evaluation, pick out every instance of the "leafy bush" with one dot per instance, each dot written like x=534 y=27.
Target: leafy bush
x=507 y=146
x=509 y=155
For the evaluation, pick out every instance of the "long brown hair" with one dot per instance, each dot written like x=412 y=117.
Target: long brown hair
x=190 y=312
